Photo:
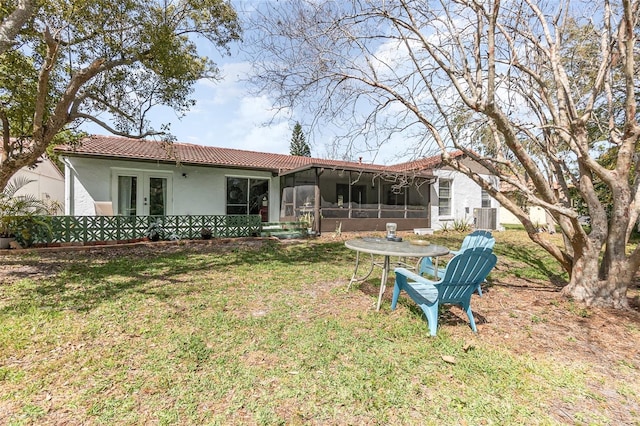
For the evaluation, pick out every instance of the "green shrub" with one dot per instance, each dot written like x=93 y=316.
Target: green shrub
x=461 y=225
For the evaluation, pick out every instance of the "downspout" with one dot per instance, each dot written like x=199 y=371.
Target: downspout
x=432 y=182
x=69 y=197
x=317 y=202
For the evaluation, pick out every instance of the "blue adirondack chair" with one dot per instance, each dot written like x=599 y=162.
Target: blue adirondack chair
x=479 y=238
x=461 y=277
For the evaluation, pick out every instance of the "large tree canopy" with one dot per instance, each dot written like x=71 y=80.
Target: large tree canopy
x=108 y=62
x=525 y=88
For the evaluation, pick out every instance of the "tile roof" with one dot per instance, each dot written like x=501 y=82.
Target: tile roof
x=426 y=163
x=146 y=150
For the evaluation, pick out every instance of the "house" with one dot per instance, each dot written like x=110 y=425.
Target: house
x=139 y=177
x=538 y=216
x=47 y=182
x=457 y=198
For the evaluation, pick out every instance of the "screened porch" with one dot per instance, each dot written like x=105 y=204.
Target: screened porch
x=355 y=200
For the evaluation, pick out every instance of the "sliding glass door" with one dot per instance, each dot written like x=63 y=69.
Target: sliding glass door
x=248 y=196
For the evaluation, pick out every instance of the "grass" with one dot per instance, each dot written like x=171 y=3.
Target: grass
x=266 y=336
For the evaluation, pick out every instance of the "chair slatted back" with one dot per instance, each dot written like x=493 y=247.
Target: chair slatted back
x=464 y=272
x=478 y=238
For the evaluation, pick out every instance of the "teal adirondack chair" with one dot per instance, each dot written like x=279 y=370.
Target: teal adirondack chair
x=461 y=277
x=479 y=238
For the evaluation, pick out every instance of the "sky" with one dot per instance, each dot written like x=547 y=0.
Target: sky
x=227 y=115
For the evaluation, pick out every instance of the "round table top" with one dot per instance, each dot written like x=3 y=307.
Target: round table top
x=382 y=246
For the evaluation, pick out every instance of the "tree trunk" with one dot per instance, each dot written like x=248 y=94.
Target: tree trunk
x=585 y=285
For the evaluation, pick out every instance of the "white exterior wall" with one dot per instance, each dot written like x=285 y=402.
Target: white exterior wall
x=536 y=214
x=48 y=182
x=192 y=189
x=466 y=195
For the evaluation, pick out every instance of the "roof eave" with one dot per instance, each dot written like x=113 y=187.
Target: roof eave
x=421 y=174
x=165 y=161
x=356 y=168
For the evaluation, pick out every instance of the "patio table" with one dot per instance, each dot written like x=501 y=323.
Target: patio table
x=387 y=249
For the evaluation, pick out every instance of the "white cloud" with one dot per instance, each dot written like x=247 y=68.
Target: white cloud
x=227 y=115
x=231 y=87
x=238 y=122
x=254 y=126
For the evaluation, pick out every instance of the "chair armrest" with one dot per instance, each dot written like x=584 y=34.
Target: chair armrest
x=420 y=289
x=413 y=276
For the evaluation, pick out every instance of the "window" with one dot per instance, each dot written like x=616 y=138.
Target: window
x=444 y=197
x=394 y=195
x=486 y=199
x=246 y=196
x=237 y=196
x=342 y=194
x=157 y=196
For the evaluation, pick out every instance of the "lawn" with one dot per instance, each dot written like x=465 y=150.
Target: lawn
x=265 y=332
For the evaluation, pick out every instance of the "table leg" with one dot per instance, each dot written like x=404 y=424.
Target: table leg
x=383 y=281
x=435 y=267
x=355 y=271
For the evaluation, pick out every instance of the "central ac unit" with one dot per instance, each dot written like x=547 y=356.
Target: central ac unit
x=485 y=218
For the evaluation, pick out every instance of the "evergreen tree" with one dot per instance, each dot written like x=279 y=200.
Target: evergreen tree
x=299 y=145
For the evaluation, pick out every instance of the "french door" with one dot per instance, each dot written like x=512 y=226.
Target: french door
x=139 y=193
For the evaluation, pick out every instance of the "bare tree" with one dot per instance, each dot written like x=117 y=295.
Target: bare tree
x=524 y=88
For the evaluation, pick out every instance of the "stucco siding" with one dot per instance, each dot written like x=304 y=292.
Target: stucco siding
x=192 y=189
x=536 y=214
x=466 y=195
x=48 y=182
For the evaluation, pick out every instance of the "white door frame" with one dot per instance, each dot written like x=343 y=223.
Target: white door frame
x=142 y=196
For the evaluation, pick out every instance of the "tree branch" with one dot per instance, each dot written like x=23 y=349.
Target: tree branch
x=10 y=27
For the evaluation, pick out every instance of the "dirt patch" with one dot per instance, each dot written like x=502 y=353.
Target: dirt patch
x=46 y=262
